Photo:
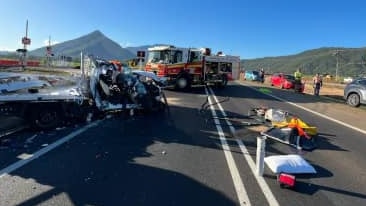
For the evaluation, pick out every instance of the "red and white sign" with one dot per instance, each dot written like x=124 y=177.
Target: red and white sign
x=26 y=41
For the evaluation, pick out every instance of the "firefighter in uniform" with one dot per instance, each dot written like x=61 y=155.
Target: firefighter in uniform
x=317 y=83
x=298 y=78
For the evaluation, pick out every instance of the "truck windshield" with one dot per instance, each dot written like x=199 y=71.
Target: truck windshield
x=159 y=56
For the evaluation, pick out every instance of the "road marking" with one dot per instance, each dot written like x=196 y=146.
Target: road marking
x=30 y=157
x=238 y=183
x=311 y=111
x=262 y=183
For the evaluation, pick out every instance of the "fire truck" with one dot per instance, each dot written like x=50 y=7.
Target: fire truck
x=185 y=67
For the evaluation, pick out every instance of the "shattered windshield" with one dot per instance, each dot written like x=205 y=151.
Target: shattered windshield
x=289 y=77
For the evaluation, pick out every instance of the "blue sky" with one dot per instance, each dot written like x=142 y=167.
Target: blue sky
x=251 y=29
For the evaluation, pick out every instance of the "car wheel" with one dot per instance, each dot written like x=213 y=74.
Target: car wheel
x=47 y=117
x=353 y=100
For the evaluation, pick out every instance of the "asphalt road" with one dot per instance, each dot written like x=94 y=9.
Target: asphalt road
x=182 y=157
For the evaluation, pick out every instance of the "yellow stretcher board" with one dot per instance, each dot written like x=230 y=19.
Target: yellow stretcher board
x=294 y=121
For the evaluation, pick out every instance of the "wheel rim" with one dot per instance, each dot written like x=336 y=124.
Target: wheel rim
x=353 y=100
x=182 y=83
x=224 y=81
x=47 y=119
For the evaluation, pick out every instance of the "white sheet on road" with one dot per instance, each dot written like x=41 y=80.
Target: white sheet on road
x=291 y=164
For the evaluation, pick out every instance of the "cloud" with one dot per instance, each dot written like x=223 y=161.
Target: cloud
x=10 y=47
x=7 y=49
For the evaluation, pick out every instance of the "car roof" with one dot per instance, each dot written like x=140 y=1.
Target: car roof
x=277 y=73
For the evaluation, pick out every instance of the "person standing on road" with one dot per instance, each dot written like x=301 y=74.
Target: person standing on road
x=317 y=83
x=298 y=75
x=298 y=78
x=261 y=74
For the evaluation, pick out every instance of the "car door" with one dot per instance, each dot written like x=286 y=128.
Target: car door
x=278 y=79
x=362 y=89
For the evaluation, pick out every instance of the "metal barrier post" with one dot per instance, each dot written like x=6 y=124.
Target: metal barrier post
x=261 y=144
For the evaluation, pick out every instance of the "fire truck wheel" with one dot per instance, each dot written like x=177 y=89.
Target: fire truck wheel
x=183 y=83
x=46 y=117
x=224 y=81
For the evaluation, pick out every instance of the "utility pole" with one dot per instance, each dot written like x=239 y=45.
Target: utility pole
x=337 y=53
x=49 y=52
x=25 y=45
x=23 y=52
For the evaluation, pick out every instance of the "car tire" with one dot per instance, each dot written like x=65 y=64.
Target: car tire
x=353 y=100
x=46 y=117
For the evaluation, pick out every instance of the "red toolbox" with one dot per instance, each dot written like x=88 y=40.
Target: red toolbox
x=286 y=180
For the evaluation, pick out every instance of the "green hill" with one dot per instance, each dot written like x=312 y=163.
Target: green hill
x=351 y=62
x=95 y=43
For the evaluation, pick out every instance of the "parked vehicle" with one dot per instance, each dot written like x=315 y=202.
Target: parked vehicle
x=355 y=92
x=252 y=75
x=285 y=81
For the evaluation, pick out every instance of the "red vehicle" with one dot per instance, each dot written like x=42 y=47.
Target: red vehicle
x=285 y=81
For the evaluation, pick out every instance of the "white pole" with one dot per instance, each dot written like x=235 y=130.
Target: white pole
x=140 y=63
x=261 y=144
x=82 y=65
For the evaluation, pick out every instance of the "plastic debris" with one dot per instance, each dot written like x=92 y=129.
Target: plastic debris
x=89 y=117
x=131 y=112
x=30 y=139
x=60 y=128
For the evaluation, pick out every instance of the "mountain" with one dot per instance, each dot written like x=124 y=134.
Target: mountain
x=7 y=53
x=351 y=62
x=95 y=43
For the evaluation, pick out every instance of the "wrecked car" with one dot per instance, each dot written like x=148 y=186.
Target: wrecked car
x=100 y=89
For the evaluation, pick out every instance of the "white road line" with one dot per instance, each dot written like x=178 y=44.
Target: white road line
x=262 y=183
x=309 y=110
x=44 y=150
x=238 y=183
